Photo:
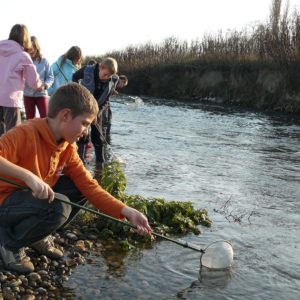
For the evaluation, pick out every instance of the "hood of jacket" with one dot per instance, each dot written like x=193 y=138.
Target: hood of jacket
x=8 y=48
x=42 y=127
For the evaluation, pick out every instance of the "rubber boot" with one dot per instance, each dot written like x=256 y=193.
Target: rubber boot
x=99 y=153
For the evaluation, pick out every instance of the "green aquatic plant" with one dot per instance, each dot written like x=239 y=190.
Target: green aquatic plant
x=165 y=217
x=113 y=179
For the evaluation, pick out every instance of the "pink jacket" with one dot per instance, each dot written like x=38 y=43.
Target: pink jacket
x=16 y=66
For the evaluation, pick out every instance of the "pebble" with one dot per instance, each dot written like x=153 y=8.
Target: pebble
x=71 y=236
x=50 y=275
x=34 y=276
x=2 y=277
x=41 y=290
x=92 y=237
x=15 y=283
x=44 y=259
x=43 y=273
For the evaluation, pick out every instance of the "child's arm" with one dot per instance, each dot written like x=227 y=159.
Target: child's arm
x=49 y=76
x=30 y=73
x=39 y=188
x=78 y=75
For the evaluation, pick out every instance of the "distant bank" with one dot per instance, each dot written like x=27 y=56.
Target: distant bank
x=264 y=87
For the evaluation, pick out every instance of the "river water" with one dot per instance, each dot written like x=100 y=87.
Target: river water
x=244 y=167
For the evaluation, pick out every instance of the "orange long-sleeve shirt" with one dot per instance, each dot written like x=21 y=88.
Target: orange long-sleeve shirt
x=32 y=146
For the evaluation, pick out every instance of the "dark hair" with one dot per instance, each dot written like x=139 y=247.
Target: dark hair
x=36 y=45
x=75 y=97
x=74 y=54
x=92 y=62
x=124 y=78
x=19 y=33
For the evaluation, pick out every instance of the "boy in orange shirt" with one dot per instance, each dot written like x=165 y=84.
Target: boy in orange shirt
x=36 y=154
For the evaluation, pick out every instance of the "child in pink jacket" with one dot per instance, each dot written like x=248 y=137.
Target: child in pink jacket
x=16 y=66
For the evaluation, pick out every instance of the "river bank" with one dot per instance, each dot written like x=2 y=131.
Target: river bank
x=265 y=87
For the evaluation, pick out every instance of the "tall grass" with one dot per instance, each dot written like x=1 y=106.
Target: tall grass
x=277 y=41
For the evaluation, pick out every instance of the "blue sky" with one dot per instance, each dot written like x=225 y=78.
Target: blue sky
x=98 y=26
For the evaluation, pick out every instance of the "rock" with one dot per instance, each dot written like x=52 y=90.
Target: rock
x=71 y=236
x=80 y=260
x=34 y=276
x=41 y=291
x=44 y=259
x=105 y=234
x=2 y=277
x=92 y=237
x=43 y=273
x=15 y=283
x=70 y=262
x=24 y=280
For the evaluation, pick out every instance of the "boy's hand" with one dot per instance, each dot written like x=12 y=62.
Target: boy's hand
x=39 y=188
x=137 y=219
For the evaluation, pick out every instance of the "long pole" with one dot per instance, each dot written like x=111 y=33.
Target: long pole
x=61 y=199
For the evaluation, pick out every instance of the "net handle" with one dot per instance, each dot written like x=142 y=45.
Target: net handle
x=61 y=199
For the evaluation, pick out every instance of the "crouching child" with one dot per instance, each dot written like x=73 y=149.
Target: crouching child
x=42 y=154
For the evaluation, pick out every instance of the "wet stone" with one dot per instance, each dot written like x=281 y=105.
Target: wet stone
x=46 y=284
x=41 y=291
x=92 y=237
x=33 y=284
x=2 y=277
x=34 y=276
x=44 y=259
x=60 y=241
x=54 y=263
x=71 y=236
x=43 y=273
x=16 y=289
x=15 y=283
x=71 y=262
x=29 y=292
x=80 y=260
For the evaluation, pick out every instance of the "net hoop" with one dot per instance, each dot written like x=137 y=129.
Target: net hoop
x=218 y=255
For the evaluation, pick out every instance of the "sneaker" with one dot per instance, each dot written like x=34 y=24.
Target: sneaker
x=16 y=260
x=46 y=246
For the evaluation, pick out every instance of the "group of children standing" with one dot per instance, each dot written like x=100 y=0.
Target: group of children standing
x=100 y=79
x=41 y=154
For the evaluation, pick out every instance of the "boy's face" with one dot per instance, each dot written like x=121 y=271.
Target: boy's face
x=121 y=84
x=104 y=73
x=74 y=128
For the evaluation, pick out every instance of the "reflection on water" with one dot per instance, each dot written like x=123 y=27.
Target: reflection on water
x=207 y=155
x=209 y=280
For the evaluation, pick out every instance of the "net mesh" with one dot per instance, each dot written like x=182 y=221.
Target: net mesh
x=217 y=255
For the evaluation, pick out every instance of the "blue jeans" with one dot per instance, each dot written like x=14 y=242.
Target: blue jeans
x=25 y=219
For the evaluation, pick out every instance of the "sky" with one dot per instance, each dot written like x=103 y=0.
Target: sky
x=99 y=26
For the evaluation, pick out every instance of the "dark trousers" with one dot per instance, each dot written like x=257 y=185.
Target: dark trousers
x=100 y=135
x=25 y=219
x=40 y=102
x=9 y=118
x=106 y=123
